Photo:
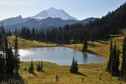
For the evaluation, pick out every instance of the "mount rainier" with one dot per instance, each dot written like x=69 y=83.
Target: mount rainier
x=44 y=20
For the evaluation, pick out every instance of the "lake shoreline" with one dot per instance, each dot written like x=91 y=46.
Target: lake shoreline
x=58 y=55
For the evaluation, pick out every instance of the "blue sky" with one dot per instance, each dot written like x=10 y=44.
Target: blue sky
x=80 y=9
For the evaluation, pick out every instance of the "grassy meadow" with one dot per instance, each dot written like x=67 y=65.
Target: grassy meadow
x=93 y=73
x=23 y=43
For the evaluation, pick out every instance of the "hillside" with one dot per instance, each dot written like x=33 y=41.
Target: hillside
x=109 y=24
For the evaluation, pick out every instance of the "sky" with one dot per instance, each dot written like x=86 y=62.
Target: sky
x=81 y=9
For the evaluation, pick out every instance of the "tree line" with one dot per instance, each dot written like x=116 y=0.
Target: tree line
x=67 y=34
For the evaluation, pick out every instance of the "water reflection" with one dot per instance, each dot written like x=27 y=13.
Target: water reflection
x=58 y=55
x=85 y=58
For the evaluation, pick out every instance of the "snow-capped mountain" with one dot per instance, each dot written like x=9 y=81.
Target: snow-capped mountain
x=54 y=13
x=46 y=19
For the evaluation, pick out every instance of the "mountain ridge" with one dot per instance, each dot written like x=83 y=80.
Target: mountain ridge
x=47 y=23
x=47 y=19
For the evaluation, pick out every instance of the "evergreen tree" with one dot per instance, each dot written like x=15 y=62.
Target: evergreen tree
x=33 y=33
x=74 y=66
x=123 y=67
x=2 y=67
x=85 y=46
x=115 y=62
x=6 y=51
x=31 y=68
x=110 y=58
x=16 y=54
x=38 y=67
x=9 y=59
x=9 y=33
x=2 y=38
x=10 y=62
x=41 y=66
x=112 y=68
x=57 y=78
x=2 y=56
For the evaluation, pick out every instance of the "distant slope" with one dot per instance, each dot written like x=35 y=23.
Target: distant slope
x=42 y=24
x=47 y=23
x=86 y=21
x=12 y=21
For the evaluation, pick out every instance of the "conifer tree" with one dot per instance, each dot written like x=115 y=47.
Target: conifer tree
x=2 y=67
x=2 y=58
x=10 y=62
x=9 y=33
x=41 y=65
x=74 y=66
x=117 y=62
x=16 y=54
x=114 y=68
x=31 y=68
x=123 y=67
x=2 y=38
x=7 y=52
x=38 y=67
x=85 y=46
x=110 y=58
x=9 y=59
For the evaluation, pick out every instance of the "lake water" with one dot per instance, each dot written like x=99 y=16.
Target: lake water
x=58 y=55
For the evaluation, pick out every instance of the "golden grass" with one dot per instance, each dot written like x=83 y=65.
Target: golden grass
x=22 y=43
x=93 y=73
x=99 y=48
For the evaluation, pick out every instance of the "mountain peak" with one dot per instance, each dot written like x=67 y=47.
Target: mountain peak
x=52 y=8
x=54 y=13
x=19 y=16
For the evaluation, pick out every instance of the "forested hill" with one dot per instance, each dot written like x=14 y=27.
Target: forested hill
x=109 y=24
